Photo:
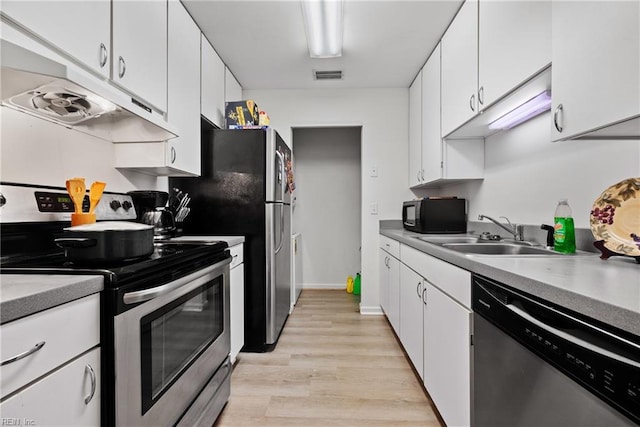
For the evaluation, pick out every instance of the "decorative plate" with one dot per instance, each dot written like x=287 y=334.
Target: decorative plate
x=615 y=217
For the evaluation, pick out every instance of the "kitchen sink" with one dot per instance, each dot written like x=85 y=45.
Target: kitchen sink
x=498 y=249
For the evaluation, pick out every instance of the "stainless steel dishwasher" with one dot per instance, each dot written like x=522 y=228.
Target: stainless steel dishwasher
x=536 y=364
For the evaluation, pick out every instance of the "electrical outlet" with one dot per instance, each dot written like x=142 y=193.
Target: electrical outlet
x=374 y=209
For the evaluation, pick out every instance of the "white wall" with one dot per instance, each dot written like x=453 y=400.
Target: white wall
x=327 y=210
x=34 y=151
x=526 y=174
x=382 y=113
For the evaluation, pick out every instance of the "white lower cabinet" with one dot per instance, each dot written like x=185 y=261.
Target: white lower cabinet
x=447 y=355
x=435 y=322
x=390 y=281
x=68 y=396
x=411 y=313
x=236 y=296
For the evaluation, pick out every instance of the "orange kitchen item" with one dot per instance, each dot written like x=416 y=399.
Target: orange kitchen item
x=82 y=218
x=95 y=192
x=77 y=189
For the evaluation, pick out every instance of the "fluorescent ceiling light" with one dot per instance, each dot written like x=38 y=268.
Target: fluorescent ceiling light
x=323 y=24
x=533 y=107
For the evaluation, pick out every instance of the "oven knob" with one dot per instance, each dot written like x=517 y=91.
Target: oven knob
x=126 y=205
x=3 y=200
x=115 y=205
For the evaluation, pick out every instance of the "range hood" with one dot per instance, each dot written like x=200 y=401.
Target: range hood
x=69 y=96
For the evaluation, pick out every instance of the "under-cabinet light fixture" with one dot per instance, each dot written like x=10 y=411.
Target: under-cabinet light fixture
x=323 y=25
x=533 y=107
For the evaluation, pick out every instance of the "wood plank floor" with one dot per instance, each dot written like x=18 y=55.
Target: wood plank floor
x=332 y=366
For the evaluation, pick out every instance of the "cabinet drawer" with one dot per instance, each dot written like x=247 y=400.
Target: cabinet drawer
x=390 y=245
x=67 y=331
x=59 y=398
x=237 y=255
x=452 y=280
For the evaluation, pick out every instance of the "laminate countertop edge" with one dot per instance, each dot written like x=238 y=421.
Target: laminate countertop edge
x=25 y=294
x=607 y=291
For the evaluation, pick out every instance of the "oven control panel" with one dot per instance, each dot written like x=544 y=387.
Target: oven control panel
x=25 y=203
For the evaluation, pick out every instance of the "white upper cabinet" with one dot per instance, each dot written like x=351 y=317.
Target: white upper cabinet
x=81 y=28
x=514 y=44
x=431 y=140
x=493 y=55
x=179 y=156
x=460 y=68
x=139 y=49
x=232 y=88
x=596 y=69
x=213 y=85
x=415 y=132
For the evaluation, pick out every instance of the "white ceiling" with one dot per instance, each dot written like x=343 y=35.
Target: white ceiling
x=264 y=44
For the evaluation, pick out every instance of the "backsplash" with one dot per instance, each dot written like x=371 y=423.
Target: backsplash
x=35 y=151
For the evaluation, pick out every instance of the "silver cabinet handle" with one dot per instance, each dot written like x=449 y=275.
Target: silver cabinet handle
x=423 y=174
x=424 y=295
x=472 y=102
x=556 y=113
x=418 y=291
x=174 y=155
x=92 y=375
x=418 y=175
x=481 y=95
x=103 y=55
x=23 y=354
x=122 y=67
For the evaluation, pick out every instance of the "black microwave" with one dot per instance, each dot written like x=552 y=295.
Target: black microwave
x=435 y=215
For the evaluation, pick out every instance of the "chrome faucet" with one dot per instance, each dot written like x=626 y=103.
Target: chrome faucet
x=516 y=230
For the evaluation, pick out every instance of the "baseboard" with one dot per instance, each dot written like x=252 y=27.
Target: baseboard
x=372 y=310
x=324 y=286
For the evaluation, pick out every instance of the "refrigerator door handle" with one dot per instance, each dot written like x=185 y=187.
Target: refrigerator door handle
x=282 y=187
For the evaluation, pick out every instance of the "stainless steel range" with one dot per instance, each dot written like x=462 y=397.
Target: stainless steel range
x=165 y=317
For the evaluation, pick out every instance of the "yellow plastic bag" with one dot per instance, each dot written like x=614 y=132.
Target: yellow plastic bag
x=350 y=284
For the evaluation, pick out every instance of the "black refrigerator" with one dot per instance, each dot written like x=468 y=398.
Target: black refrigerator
x=245 y=190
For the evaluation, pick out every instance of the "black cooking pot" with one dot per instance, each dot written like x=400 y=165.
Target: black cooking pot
x=106 y=242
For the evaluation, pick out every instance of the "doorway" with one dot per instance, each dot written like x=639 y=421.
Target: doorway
x=327 y=211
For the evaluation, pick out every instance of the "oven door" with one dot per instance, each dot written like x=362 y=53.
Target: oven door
x=168 y=348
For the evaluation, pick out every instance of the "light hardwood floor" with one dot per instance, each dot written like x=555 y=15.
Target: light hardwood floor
x=331 y=367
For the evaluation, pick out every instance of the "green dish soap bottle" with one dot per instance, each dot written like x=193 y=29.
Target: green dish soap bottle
x=564 y=235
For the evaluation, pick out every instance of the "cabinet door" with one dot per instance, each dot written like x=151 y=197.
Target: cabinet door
x=415 y=131
x=212 y=81
x=139 y=34
x=183 y=152
x=59 y=398
x=232 y=88
x=460 y=68
x=447 y=356
x=394 y=294
x=80 y=28
x=596 y=64
x=384 y=281
x=411 y=322
x=514 y=43
x=237 y=310
x=431 y=135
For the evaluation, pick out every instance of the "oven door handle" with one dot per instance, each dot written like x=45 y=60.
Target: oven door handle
x=148 y=294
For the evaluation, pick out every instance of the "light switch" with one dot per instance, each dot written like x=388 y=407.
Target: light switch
x=374 y=209
x=374 y=171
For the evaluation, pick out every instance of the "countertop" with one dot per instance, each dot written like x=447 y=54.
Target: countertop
x=25 y=294
x=231 y=240
x=608 y=291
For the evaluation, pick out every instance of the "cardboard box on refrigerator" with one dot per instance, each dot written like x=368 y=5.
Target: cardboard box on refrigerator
x=241 y=113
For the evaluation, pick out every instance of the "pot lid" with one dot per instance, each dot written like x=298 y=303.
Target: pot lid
x=110 y=226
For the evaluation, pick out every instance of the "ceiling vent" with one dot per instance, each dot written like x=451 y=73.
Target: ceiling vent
x=327 y=75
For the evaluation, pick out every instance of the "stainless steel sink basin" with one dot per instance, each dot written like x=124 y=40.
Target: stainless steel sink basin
x=498 y=249
x=441 y=240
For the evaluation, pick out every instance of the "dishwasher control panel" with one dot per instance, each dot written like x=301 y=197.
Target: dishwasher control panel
x=605 y=364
